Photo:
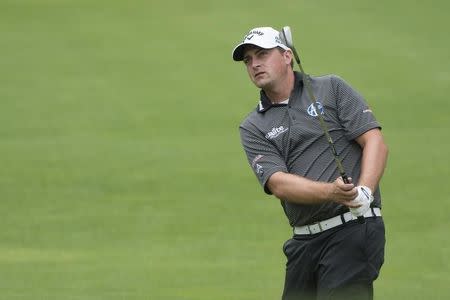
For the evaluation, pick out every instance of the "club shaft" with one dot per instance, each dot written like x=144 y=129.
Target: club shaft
x=322 y=123
x=309 y=90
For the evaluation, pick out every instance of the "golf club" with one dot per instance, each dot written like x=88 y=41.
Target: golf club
x=287 y=37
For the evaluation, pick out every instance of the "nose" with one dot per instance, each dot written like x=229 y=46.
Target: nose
x=255 y=63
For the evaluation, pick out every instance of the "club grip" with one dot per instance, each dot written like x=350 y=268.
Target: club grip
x=361 y=219
x=345 y=178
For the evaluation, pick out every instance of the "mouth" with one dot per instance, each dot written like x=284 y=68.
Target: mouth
x=259 y=74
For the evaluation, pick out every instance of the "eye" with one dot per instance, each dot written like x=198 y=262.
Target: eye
x=263 y=53
x=246 y=60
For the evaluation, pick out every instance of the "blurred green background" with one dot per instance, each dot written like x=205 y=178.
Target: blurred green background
x=121 y=170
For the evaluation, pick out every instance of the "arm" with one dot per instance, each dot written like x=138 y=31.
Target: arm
x=301 y=190
x=360 y=123
x=374 y=157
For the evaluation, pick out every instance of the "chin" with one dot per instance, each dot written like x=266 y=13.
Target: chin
x=261 y=83
x=264 y=85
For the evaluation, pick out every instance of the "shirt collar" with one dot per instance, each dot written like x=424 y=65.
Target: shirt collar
x=265 y=104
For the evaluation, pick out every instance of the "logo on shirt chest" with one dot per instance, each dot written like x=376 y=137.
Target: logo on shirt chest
x=312 y=111
x=275 y=132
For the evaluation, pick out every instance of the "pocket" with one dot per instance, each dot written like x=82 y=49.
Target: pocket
x=375 y=244
x=286 y=246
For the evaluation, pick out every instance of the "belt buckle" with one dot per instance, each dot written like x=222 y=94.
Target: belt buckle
x=315 y=224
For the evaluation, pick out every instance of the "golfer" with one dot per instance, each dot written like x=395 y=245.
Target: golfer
x=330 y=255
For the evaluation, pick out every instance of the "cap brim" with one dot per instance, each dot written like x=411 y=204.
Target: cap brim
x=238 y=52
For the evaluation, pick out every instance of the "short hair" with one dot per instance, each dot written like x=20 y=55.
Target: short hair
x=292 y=60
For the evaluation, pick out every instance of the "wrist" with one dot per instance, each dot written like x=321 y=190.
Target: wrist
x=367 y=184
x=329 y=192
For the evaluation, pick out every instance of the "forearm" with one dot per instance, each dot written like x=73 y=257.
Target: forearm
x=298 y=189
x=374 y=158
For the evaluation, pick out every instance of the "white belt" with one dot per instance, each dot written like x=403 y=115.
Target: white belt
x=333 y=222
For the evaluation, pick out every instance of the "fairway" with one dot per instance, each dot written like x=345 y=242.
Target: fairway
x=121 y=170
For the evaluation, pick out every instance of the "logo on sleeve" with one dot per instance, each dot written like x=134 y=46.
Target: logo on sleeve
x=275 y=132
x=312 y=109
x=255 y=160
x=259 y=170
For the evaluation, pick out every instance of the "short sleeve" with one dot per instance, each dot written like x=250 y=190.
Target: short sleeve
x=354 y=113
x=263 y=157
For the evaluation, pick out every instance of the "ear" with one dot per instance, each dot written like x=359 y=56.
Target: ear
x=288 y=56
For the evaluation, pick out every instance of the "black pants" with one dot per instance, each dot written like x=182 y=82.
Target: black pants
x=340 y=263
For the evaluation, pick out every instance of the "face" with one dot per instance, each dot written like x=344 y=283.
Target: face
x=267 y=67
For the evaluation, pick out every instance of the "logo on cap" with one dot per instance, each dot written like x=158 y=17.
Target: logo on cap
x=252 y=33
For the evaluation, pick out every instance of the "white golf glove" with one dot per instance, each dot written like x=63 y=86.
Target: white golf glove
x=364 y=198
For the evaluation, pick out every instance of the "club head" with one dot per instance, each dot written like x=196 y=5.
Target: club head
x=287 y=36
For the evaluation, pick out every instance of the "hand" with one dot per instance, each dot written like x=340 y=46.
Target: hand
x=344 y=193
x=363 y=201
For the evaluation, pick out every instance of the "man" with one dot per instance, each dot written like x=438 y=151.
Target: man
x=331 y=255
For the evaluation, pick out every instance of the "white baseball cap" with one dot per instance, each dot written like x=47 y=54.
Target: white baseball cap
x=264 y=37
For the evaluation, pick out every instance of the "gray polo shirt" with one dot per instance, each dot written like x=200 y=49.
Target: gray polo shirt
x=288 y=138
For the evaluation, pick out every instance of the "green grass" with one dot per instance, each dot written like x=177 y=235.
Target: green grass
x=121 y=171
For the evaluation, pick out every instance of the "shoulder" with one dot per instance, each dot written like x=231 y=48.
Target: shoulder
x=249 y=120
x=332 y=82
x=327 y=78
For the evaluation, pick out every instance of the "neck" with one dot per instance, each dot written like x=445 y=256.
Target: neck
x=282 y=90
